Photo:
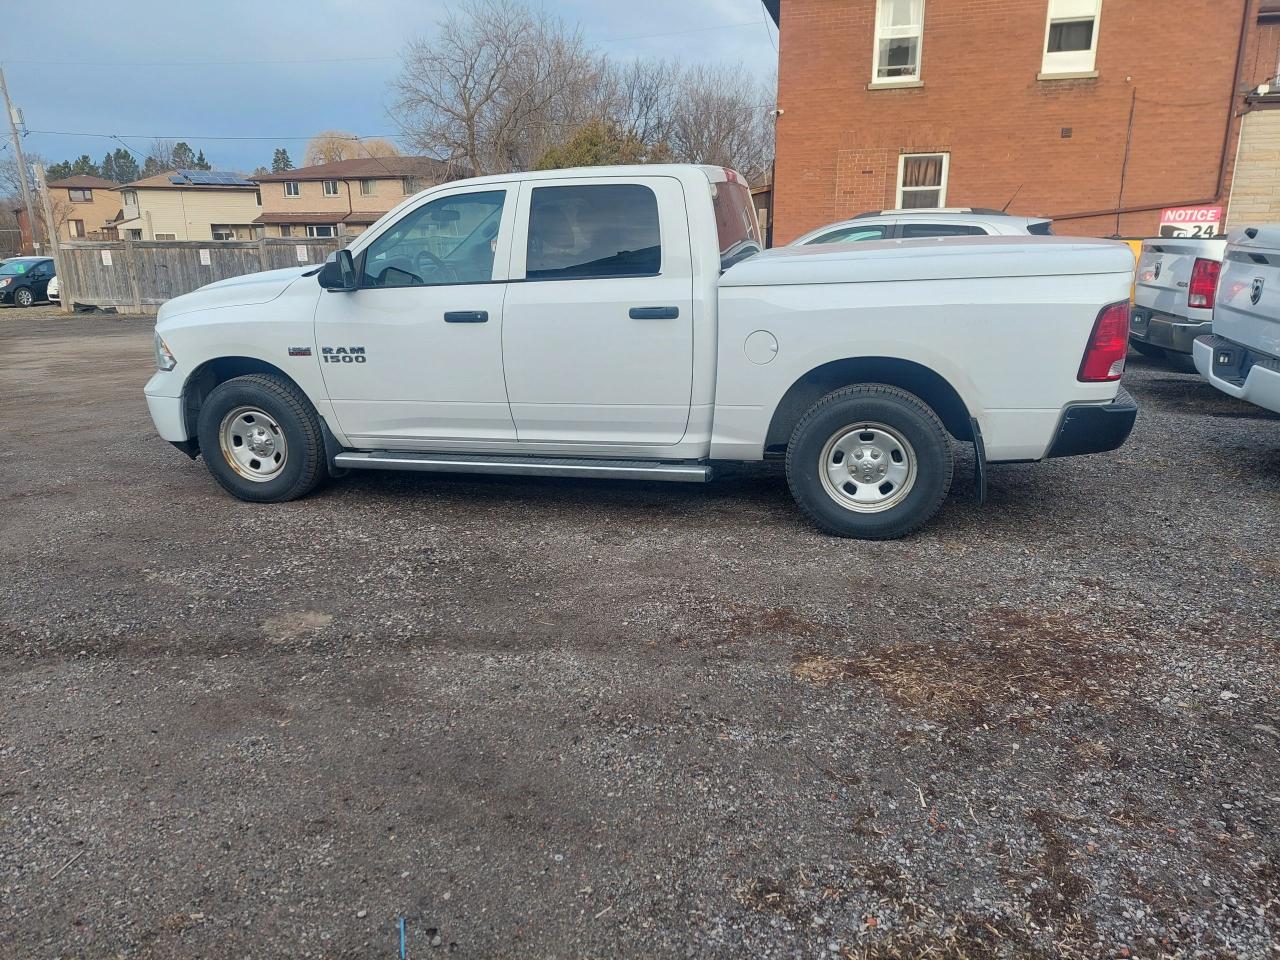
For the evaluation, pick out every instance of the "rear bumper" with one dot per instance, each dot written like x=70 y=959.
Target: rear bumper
x=1163 y=330
x=1247 y=375
x=1095 y=427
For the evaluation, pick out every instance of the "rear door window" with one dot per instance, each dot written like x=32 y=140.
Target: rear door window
x=854 y=234
x=593 y=232
x=910 y=230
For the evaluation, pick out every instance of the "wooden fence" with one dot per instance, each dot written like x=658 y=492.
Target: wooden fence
x=136 y=276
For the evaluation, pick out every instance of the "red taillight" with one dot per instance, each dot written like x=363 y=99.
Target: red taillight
x=1108 y=344
x=1204 y=283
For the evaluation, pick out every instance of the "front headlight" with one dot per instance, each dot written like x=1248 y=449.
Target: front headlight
x=164 y=359
x=5 y=281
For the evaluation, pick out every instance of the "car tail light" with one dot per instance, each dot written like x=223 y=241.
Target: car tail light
x=1108 y=344
x=1204 y=283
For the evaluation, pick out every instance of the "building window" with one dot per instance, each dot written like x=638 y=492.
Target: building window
x=76 y=228
x=899 y=36
x=922 y=180
x=1071 y=37
x=81 y=196
x=286 y=230
x=168 y=236
x=410 y=185
x=134 y=234
x=291 y=189
x=130 y=198
x=331 y=188
x=321 y=230
x=366 y=188
x=220 y=233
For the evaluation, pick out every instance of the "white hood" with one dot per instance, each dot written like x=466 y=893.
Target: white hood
x=236 y=291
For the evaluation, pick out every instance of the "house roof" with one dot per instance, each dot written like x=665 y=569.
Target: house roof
x=367 y=168
x=331 y=217
x=83 y=182
x=775 y=10
x=164 y=181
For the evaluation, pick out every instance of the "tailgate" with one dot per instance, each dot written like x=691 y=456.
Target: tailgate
x=1164 y=275
x=1248 y=310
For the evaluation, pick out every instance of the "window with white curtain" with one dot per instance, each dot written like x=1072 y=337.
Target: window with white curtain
x=899 y=36
x=1071 y=36
x=922 y=180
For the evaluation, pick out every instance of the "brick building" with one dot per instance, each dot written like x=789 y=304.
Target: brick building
x=1097 y=113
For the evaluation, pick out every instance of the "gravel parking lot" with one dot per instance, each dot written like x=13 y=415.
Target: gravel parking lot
x=575 y=719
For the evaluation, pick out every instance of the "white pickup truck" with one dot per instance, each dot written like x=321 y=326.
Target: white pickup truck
x=624 y=322
x=1242 y=355
x=1174 y=297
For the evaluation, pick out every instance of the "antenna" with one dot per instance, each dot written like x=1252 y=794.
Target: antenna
x=1005 y=208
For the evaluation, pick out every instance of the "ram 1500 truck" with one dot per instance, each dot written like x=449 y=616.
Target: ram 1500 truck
x=1173 y=299
x=624 y=322
x=1242 y=355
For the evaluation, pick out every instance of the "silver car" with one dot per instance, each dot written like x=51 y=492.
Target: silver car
x=947 y=222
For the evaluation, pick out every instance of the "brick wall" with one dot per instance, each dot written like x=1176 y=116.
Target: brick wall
x=981 y=101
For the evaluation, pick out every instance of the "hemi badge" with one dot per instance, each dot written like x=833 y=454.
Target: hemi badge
x=299 y=351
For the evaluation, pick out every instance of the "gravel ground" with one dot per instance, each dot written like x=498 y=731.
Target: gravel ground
x=577 y=719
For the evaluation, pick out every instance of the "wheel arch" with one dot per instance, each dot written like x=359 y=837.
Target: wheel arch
x=208 y=375
x=927 y=384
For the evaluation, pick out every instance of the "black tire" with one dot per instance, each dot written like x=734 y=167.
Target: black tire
x=304 y=464
x=18 y=297
x=1181 y=362
x=880 y=404
x=1148 y=349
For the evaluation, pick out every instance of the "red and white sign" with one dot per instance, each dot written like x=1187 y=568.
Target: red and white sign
x=1191 y=222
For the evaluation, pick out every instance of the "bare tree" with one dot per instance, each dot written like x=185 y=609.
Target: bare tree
x=330 y=146
x=724 y=117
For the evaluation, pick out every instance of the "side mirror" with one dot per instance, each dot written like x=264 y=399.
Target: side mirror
x=339 y=271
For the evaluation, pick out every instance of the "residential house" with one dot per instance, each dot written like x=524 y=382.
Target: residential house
x=342 y=197
x=189 y=205
x=84 y=207
x=1097 y=113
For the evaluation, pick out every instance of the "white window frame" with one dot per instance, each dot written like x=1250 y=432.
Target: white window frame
x=292 y=188
x=314 y=228
x=368 y=187
x=880 y=33
x=166 y=236
x=331 y=193
x=80 y=195
x=1071 y=63
x=130 y=197
x=942 y=188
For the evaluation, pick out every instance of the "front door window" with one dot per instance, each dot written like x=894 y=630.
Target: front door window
x=450 y=240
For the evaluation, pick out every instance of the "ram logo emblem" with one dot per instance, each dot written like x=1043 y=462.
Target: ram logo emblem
x=1257 y=290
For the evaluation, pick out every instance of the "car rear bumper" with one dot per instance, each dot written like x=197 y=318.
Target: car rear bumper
x=1166 y=331
x=1095 y=427
x=1246 y=374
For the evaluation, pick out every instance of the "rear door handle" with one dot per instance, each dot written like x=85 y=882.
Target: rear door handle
x=655 y=313
x=467 y=316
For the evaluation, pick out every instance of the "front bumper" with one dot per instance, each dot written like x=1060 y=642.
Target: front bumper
x=1239 y=372
x=166 y=411
x=1164 y=330
x=1095 y=427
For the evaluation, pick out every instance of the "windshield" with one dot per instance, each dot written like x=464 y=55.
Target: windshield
x=736 y=224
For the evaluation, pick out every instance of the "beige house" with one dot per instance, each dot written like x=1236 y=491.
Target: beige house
x=189 y=205
x=84 y=207
x=341 y=197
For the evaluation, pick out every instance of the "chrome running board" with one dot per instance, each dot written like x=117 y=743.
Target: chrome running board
x=679 y=472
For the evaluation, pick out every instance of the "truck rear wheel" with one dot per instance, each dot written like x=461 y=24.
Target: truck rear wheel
x=870 y=461
x=261 y=439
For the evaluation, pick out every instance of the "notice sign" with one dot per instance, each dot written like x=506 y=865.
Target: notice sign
x=1191 y=222
x=302 y=254
x=106 y=258
x=205 y=259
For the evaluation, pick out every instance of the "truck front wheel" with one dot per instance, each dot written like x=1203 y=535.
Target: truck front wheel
x=870 y=461
x=261 y=439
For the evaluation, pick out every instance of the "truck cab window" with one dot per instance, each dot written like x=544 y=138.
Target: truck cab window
x=450 y=240
x=736 y=226
x=593 y=232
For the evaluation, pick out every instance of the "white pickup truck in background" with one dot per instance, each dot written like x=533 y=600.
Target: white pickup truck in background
x=1242 y=355
x=624 y=322
x=1174 y=297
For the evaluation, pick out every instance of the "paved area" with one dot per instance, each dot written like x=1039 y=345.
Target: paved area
x=578 y=719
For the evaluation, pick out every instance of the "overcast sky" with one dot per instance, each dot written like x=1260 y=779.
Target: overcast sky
x=148 y=68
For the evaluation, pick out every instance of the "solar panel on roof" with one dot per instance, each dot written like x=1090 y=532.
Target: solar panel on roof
x=177 y=180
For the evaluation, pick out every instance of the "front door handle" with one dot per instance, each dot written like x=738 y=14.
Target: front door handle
x=655 y=313
x=467 y=316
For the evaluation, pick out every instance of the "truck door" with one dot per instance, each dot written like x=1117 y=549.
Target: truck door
x=597 y=337
x=413 y=356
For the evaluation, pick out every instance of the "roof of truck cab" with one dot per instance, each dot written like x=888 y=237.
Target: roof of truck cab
x=931 y=258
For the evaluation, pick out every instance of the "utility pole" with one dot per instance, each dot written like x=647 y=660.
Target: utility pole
x=23 y=173
x=51 y=230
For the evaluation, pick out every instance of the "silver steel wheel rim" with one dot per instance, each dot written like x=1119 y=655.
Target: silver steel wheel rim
x=867 y=467
x=253 y=444
x=25 y=298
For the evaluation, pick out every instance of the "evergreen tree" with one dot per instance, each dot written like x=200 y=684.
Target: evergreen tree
x=83 y=166
x=126 y=168
x=184 y=158
x=280 y=161
x=201 y=163
x=58 y=171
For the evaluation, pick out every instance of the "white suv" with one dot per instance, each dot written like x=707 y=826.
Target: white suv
x=909 y=224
